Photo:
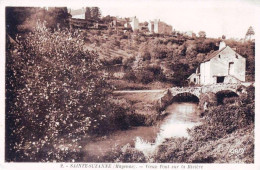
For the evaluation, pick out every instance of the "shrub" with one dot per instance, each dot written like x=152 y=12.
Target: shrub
x=225 y=119
x=112 y=61
x=55 y=93
x=130 y=76
x=158 y=72
x=144 y=76
x=130 y=155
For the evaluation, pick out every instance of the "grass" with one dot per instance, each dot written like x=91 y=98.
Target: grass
x=143 y=104
x=128 y=85
x=237 y=147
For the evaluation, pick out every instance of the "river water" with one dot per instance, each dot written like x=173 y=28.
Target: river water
x=181 y=116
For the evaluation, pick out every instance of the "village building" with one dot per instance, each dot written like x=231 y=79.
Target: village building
x=159 y=27
x=78 y=13
x=222 y=66
x=134 y=23
x=127 y=25
x=190 y=34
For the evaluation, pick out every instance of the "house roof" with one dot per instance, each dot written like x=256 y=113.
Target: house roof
x=215 y=53
x=192 y=75
x=212 y=55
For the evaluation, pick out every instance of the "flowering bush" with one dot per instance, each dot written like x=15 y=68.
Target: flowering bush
x=55 y=94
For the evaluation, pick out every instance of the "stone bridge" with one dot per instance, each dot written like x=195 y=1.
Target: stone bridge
x=198 y=91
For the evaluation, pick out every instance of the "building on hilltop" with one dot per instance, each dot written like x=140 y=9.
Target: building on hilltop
x=120 y=24
x=159 y=27
x=78 y=13
x=134 y=22
x=190 y=34
x=222 y=66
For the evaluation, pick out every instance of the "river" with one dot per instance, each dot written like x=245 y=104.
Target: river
x=181 y=116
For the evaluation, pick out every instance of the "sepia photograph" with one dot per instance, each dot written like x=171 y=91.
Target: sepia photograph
x=130 y=82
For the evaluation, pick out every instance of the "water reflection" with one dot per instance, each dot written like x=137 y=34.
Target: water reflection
x=181 y=116
x=146 y=139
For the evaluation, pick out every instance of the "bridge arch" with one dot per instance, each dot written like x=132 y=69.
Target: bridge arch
x=170 y=96
x=185 y=97
x=224 y=96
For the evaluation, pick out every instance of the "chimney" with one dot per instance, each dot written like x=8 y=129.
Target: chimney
x=222 y=45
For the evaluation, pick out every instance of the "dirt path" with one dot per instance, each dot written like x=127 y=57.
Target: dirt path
x=140 y=91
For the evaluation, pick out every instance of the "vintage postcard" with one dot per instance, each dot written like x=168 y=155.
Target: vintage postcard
x=129 y=84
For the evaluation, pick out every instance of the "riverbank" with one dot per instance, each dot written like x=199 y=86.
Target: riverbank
x=143 y=103
x=225 y=136
x=143 y=139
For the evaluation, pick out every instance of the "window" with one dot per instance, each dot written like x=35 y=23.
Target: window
x=194 y=80
x=231 y=68
x=236 y=56
x=218 y=56
x=220 y=79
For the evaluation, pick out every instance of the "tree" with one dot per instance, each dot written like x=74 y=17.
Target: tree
x=57 y=16
x=16 y=16
x=54 y=92
x=250 y=31
x=95 y=13
x=181 y=73
x=24 y=19
x=146 y=23
x=107 y=19
x=88 y=13
x=202 y=34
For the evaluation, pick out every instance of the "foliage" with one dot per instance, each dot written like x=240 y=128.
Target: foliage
x=224 y=126
x=225 y=119
x=130 y=155
x=130 y=76
x=250 y=31
x=180 y=74
x=55 y=94
x=202 y=34
x=126 y=154
x=24 y=19
x=95 y=13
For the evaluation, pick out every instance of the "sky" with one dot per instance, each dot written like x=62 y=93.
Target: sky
x=231 y=18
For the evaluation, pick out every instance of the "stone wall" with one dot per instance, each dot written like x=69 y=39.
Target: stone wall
x=204 y=93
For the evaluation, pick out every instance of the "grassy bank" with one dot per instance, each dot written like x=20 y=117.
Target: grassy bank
x=143 y=104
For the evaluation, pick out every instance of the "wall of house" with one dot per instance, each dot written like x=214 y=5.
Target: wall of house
x=160 y=27
x=194 y=79
x=134 y=23
x=205 y=75
x=80 y=16
x=163 y=28
x=220 y=65
x=231 y=79
x=151 y=26
x=156 y=26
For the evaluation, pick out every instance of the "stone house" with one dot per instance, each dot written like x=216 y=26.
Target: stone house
x=222 y=66
x=134 y=23
x=190 y=34
x=78 y=13
x=159 y=27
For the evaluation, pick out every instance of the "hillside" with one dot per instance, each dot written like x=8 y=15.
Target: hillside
x=143 y=59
